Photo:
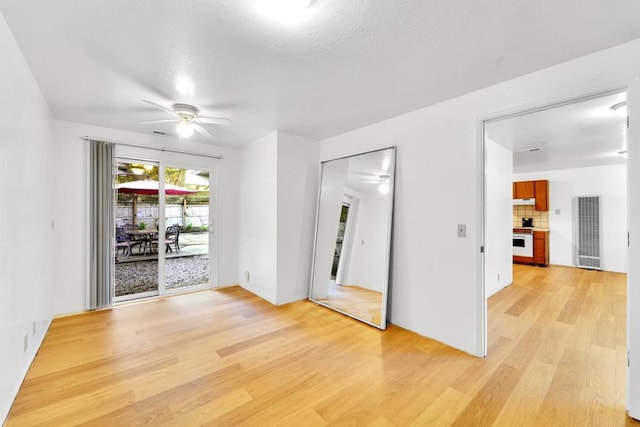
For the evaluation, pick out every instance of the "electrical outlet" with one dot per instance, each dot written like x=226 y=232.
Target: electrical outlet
x=247 y=276
x=498 y=277
x=26 y=343
x=462 y=230
x=34 y=327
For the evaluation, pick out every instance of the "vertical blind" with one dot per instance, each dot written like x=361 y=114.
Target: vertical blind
x=100 y=223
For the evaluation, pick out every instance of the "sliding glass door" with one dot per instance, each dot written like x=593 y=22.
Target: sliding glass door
x=136 y=226
x=163 y=224
x=186 y=229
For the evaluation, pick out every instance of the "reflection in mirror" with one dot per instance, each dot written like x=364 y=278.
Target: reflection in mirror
x=353 y=234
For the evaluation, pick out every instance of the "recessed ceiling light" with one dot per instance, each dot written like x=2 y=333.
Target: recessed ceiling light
x=620 y=108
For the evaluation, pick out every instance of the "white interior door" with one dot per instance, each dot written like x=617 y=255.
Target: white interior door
x=633 y=279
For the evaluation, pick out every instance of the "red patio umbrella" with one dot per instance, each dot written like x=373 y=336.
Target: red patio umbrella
x=149 y=186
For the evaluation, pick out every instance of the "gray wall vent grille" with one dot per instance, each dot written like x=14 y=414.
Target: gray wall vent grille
x=589 y=233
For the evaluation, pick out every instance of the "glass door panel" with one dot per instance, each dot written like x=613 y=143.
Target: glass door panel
x=186 y=229
x=136 y=230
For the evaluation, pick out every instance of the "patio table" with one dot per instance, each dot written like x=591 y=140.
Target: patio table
x=147 y=236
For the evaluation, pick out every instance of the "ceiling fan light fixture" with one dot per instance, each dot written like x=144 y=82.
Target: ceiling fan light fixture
x=184 y=129
x=188 y=120
x=186 y=111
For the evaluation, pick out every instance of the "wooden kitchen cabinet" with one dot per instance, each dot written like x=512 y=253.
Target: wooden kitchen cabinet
x=533 y=189
x=541 y=191
x=524 y=190
x=541 y=248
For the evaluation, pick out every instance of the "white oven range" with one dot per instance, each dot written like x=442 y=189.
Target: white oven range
x=523 y=244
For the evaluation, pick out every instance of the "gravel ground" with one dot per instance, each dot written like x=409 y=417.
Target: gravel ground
x=142 y=276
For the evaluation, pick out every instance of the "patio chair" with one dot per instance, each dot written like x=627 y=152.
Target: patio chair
x=123 y=241
x=171 y=238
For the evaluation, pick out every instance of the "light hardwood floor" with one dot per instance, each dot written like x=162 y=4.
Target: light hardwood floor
x=225 y=357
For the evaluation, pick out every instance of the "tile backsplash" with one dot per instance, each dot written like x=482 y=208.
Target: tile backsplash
x=540 y=219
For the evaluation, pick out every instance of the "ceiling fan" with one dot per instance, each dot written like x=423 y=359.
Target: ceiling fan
x=373 y=178
x=187 y=119
x=382 y=180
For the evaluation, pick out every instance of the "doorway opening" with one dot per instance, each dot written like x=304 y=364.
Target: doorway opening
x=340 y=241
x=575 y=149
x=579 y=147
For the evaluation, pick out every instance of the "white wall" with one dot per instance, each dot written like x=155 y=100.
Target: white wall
x=278 y=193
x=367 y=266
x=71 y=203
x=437 y=277
x=258 y=224
x=298 y=169
x=498 y=218
x=27 y=244
x=609 y=182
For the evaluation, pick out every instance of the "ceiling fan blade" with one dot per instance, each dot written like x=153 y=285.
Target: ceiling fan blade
x=150 y=122
x=213 y=120
x=161 y=107
x=202 y=131
x=160 y=133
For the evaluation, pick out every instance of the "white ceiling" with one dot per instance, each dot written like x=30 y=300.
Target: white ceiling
x=348 y=64
x=586 y=133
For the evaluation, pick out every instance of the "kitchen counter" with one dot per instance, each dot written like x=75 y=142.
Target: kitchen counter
x=528 y=229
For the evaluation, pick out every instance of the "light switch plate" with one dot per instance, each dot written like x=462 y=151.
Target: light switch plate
x=462 y=230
